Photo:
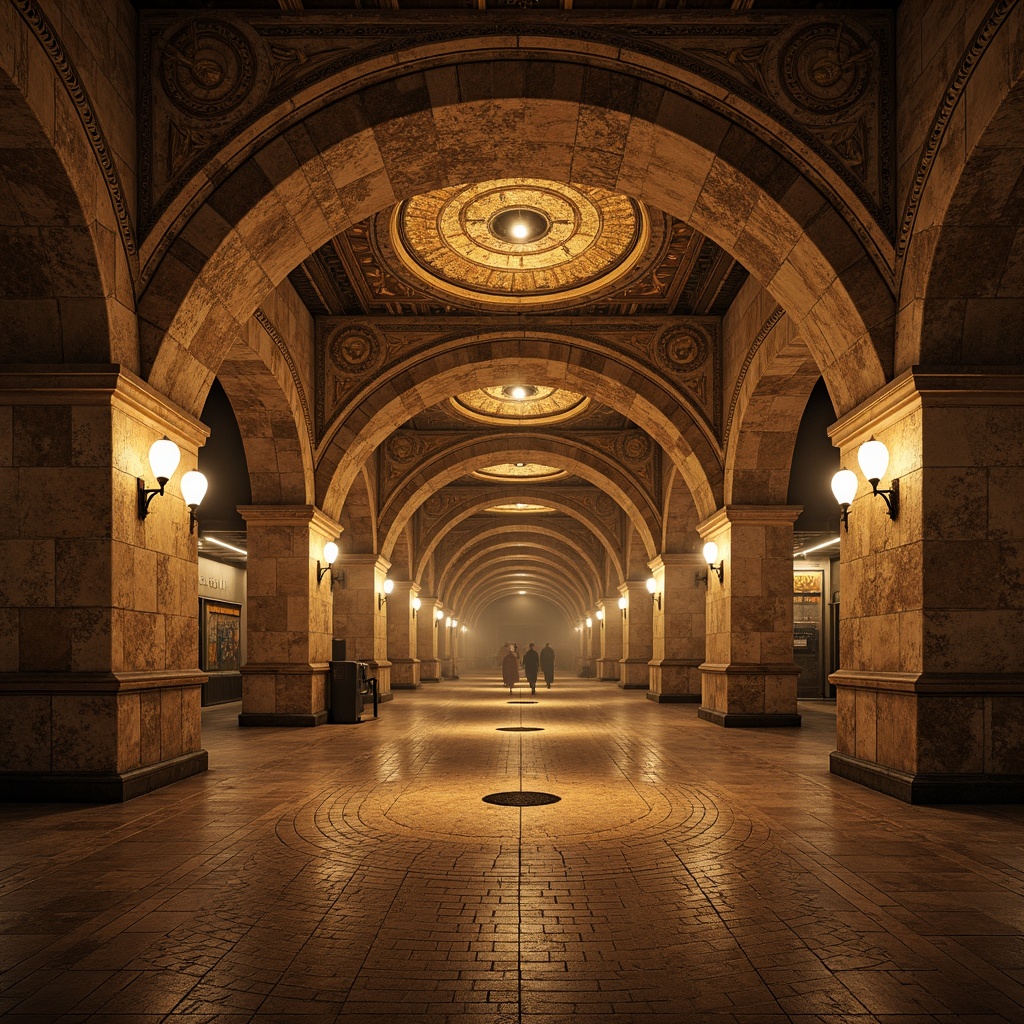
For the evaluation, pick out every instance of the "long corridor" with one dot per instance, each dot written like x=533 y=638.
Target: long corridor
x=355 y=873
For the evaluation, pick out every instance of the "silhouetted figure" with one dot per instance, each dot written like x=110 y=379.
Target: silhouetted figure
x=510 y=667
x=547 y=664
x=531 y=662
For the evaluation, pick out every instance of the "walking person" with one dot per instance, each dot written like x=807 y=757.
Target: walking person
x=510 y=667
x=547 y=664
x=531 y=662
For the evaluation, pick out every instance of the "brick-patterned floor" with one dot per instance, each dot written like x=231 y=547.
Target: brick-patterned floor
x=354 y=874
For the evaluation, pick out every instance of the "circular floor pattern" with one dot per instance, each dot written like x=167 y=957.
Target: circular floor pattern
x=521 y=799
x=519 y=728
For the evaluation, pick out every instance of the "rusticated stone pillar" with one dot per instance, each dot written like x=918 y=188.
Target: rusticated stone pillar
x=99 y=685
x=678 y=629
x=609 y=631
x=428 y=628
x=284 y=680
x=930 y=688
x=360 y=616
x=637 y=637
x=749 y=677
x=402 y=638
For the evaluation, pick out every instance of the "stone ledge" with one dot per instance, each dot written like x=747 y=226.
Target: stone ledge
x=746 y=720
x=674 y=698
x=247 y=718
x=929 y=789
x=99 y=787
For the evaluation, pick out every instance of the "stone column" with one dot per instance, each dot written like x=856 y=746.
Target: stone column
x=678 y=629
x=454 y=649
x=590 y=643
x=637 y=637
x=360 y=616
x=610 y=634
x=402 y=636
x=284 y=680
x=100 y=689
x=749 y=677
x=427 y=629
x=930 y=690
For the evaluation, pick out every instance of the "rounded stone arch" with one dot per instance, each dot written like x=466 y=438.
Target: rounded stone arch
x=358 y=517
x=961 y=297
x=484 y=572
x=446 y=466
x=278 y=449
x=679 y=518
x=445 y=368
x=58 y=299
x=453 y=515
x=537 y=529
x=309 y=170
x=531 y=547
x=491 y=591
x=769 y=403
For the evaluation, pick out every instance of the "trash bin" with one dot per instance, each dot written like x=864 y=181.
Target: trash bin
x=346 y=687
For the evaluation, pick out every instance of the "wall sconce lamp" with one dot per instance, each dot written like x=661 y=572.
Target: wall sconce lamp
x=455 y=623
x=193 y=490
x=164 y=456
x=415 y=606
x=652 y=589
x=873 y=457
x=600 y=617
x=464 y=628
x=438 y=616
x=623 y=605
x=590 y=622
x=710 y=556
x=330 y=554
x=389 y=585
x=448 y=622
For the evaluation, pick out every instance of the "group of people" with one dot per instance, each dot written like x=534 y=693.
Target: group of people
x=534 y=662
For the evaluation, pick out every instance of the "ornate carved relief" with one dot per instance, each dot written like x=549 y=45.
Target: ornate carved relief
x=823 y=77
x=683 y=352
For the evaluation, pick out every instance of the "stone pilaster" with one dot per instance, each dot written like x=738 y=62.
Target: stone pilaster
x=284 y=680
x=402 y=636
x=428 y=628
x=637 y=637
x=678 y=629
x=749 y=677
x=930 y=688
x=610 y=638
x=99 y=686
x=360 y=616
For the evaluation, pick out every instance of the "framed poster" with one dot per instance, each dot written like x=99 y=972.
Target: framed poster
x=220 y=627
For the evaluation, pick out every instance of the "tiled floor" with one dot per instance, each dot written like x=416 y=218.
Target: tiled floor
x=353 y=873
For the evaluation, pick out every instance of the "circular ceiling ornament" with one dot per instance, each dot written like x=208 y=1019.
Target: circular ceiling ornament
x=826 y=67
x=517 y=472
x=519 y=241
x=518 y=508
x=503 y=405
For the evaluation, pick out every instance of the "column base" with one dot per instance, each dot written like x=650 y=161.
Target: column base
x=99 y=787
x=282 y=719
x=634 y=675
x=929 y=789
x=747 y=720
x=673 y=698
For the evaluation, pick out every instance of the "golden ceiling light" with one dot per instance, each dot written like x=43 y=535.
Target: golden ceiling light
x=520 y=404
x=519 y=507
x=508 y=472
x=519 y=241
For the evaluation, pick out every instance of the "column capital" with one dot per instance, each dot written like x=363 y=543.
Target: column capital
x=749 y=515
x=689 y=560
x=291 y=515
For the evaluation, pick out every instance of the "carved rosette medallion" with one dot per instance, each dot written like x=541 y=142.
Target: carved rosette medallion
x=354 y=351
x=633 y=447
x=682 y=350
x=604 y=507
x=208 y=68
x=402 y=448
x=826 y=68
x=438 y=505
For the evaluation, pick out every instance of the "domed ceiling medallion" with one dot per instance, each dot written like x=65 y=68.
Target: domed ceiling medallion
x=519 y=241
x=520 y=404
x=517 y=472
x=519 y=507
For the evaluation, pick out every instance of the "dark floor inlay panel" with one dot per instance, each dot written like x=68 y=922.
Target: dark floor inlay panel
x=519 y=728
x=522 y=702
x=521 y=799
